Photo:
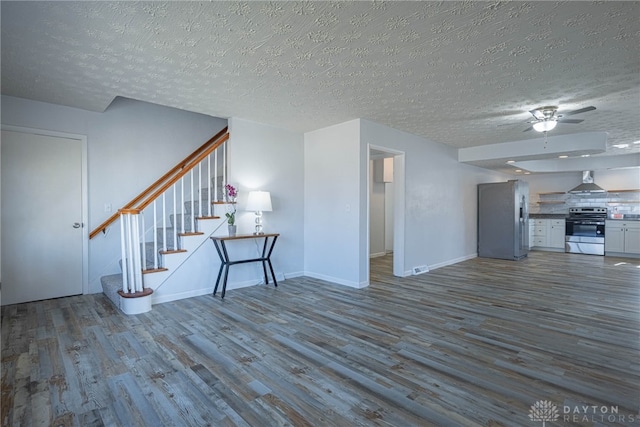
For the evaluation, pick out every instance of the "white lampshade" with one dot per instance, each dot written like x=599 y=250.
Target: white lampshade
x=259 y=201
x=545 y=126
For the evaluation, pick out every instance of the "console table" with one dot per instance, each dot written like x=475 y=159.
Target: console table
x=220 y=244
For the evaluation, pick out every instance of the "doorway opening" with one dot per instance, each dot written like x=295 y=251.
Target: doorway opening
x=385 y=211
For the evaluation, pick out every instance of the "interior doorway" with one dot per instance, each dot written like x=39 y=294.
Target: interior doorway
x=386 y=210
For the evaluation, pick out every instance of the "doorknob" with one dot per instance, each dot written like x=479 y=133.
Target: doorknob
x=77 y=225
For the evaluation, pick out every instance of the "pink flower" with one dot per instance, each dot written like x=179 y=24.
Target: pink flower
x=231 y=191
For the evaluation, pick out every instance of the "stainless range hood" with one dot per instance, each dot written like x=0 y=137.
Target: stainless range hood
x=587 y=186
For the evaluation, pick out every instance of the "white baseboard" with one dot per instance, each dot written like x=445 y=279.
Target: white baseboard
x=338 y=281
x=445 y=263
x=230 y=286
x=452 y=261
x=377 y=254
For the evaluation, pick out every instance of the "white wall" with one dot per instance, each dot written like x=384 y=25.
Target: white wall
x=440 y=197
x=262 y=157
x=332 y=168
x=130 y=145
x=613 y=179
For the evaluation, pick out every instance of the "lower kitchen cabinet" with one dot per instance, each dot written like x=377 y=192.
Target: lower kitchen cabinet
x=622 y=237
x=548 y=234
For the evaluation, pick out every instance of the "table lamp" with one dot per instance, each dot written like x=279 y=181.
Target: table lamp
x=259 y=201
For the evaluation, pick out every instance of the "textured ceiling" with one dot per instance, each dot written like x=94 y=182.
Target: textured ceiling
x=460 y=73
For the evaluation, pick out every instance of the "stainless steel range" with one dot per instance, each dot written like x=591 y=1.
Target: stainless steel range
x=585 y=230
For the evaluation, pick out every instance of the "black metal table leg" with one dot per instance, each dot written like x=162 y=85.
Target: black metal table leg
x=268 y=258
x=222 y=264
x=225 y=262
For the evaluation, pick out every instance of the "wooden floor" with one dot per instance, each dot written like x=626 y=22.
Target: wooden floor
x=476 y=343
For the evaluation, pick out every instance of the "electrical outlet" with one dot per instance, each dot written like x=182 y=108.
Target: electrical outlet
x=420 y=269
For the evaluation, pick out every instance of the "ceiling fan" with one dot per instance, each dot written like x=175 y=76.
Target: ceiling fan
x=546 y=118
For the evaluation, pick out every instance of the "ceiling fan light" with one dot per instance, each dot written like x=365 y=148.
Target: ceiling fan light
x=545 y=126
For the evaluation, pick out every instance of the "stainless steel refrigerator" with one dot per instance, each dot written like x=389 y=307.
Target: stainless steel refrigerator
x=503 y=220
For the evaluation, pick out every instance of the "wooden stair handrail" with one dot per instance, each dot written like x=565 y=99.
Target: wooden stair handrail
x=180 y=166
x=183 y=172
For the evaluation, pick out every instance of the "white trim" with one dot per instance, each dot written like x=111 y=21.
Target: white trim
x=337 y=280
x=84 y=184
x=452 y=261
x=398 y=208
x=230 y=286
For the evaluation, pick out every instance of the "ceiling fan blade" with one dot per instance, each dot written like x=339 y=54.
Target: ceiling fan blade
x=537 y=114
x=572 y=121
x=528 y=129
x=501 y=125
x=581 y=110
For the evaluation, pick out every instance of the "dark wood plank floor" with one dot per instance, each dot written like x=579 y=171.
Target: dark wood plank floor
x=477 y=343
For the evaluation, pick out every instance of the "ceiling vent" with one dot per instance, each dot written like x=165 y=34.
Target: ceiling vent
x=587 y=186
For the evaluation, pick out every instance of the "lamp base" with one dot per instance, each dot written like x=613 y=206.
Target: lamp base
x=258 y=224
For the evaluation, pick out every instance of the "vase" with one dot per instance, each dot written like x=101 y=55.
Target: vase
x=232 y=230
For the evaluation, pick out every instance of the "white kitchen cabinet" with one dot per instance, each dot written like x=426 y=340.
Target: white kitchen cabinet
x=556 y=233
x=548 y=234
x=622 y=237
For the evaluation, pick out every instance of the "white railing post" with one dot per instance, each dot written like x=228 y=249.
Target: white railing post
x=137 y=267
x=130 y=259
x=124 y=254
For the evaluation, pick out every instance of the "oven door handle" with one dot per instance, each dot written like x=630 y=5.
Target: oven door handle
x=583 y=222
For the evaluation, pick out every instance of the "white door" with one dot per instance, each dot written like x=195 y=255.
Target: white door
x=42 y=236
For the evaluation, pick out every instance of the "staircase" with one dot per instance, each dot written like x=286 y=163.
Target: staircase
x=163 y=226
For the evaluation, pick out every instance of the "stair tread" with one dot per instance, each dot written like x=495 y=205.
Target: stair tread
x=145 y=292
x=154 y=270
x=173 y=251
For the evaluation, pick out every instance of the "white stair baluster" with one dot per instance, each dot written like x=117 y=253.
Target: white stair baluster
x=143 y=242
x=192 y=220
x=199 y=190
x=215 y=175
x=210 y=184
x=164 y=221
x=181 y=207
x=224 y=167
x=155 y=237
x=175 y=219
x=123 y=249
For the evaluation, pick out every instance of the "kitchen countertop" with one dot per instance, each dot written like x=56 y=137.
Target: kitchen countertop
x=547 y=216
x=626 y=218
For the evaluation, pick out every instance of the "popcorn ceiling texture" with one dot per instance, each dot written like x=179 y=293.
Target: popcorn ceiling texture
x=449 y=71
